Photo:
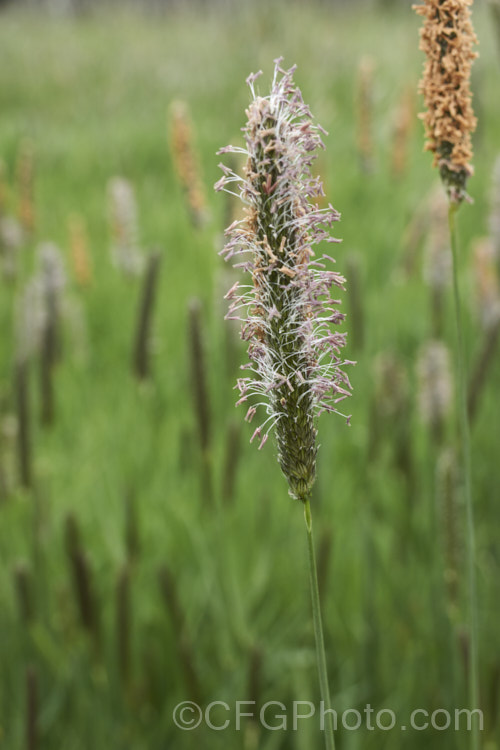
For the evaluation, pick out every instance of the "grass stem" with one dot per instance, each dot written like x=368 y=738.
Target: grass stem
x=473 y=676
x=318 y=632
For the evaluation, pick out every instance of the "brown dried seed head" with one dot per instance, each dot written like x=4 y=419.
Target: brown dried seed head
x=402 y=128
x=447 y=38
x=186 y=162
x=80 y=255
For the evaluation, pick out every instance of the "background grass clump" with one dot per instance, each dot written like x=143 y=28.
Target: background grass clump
x=155 y=559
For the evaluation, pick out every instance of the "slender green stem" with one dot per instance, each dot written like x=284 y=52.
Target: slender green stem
x=318 y=633
x=473 y=676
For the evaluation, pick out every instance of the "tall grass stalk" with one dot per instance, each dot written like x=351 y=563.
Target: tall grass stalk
x=254 y=690
x=24 y=423
x=324 y=555
x=52 y=280
x=47 y=361
x=32 y=730
x=231 y=461
x=287 y=314
x=447 y=38
x=473 y=676
x=23 y=587
x=132 y=539
x=201 y=399
x=318 y=631
x=82 y=582
x=123 y=611
x=185 y=646
x=141 y=354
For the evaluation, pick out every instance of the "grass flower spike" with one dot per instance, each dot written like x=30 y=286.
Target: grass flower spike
x=447 y=38
x=126 y=252
x=186 y=162
x=286 y=311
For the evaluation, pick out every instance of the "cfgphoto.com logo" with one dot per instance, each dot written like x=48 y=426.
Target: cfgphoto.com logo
x=275 y=716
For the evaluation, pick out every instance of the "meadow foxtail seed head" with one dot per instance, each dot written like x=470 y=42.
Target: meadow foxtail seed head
x=286 y=311
x=126 y=252
x=447 y=38
x=186 y=162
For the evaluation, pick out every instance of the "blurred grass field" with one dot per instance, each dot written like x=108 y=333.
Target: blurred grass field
x=92 y=96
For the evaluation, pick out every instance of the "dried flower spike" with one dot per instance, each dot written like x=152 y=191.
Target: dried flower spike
x=402 y=130
x=186 y=162
x=79 y=246
x=447 y=38
x=295 y=369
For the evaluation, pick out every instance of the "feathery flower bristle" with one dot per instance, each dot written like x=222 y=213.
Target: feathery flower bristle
x=447 y=38
x=295 y=369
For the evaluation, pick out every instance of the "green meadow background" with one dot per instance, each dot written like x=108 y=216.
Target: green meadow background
x=193 y=558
